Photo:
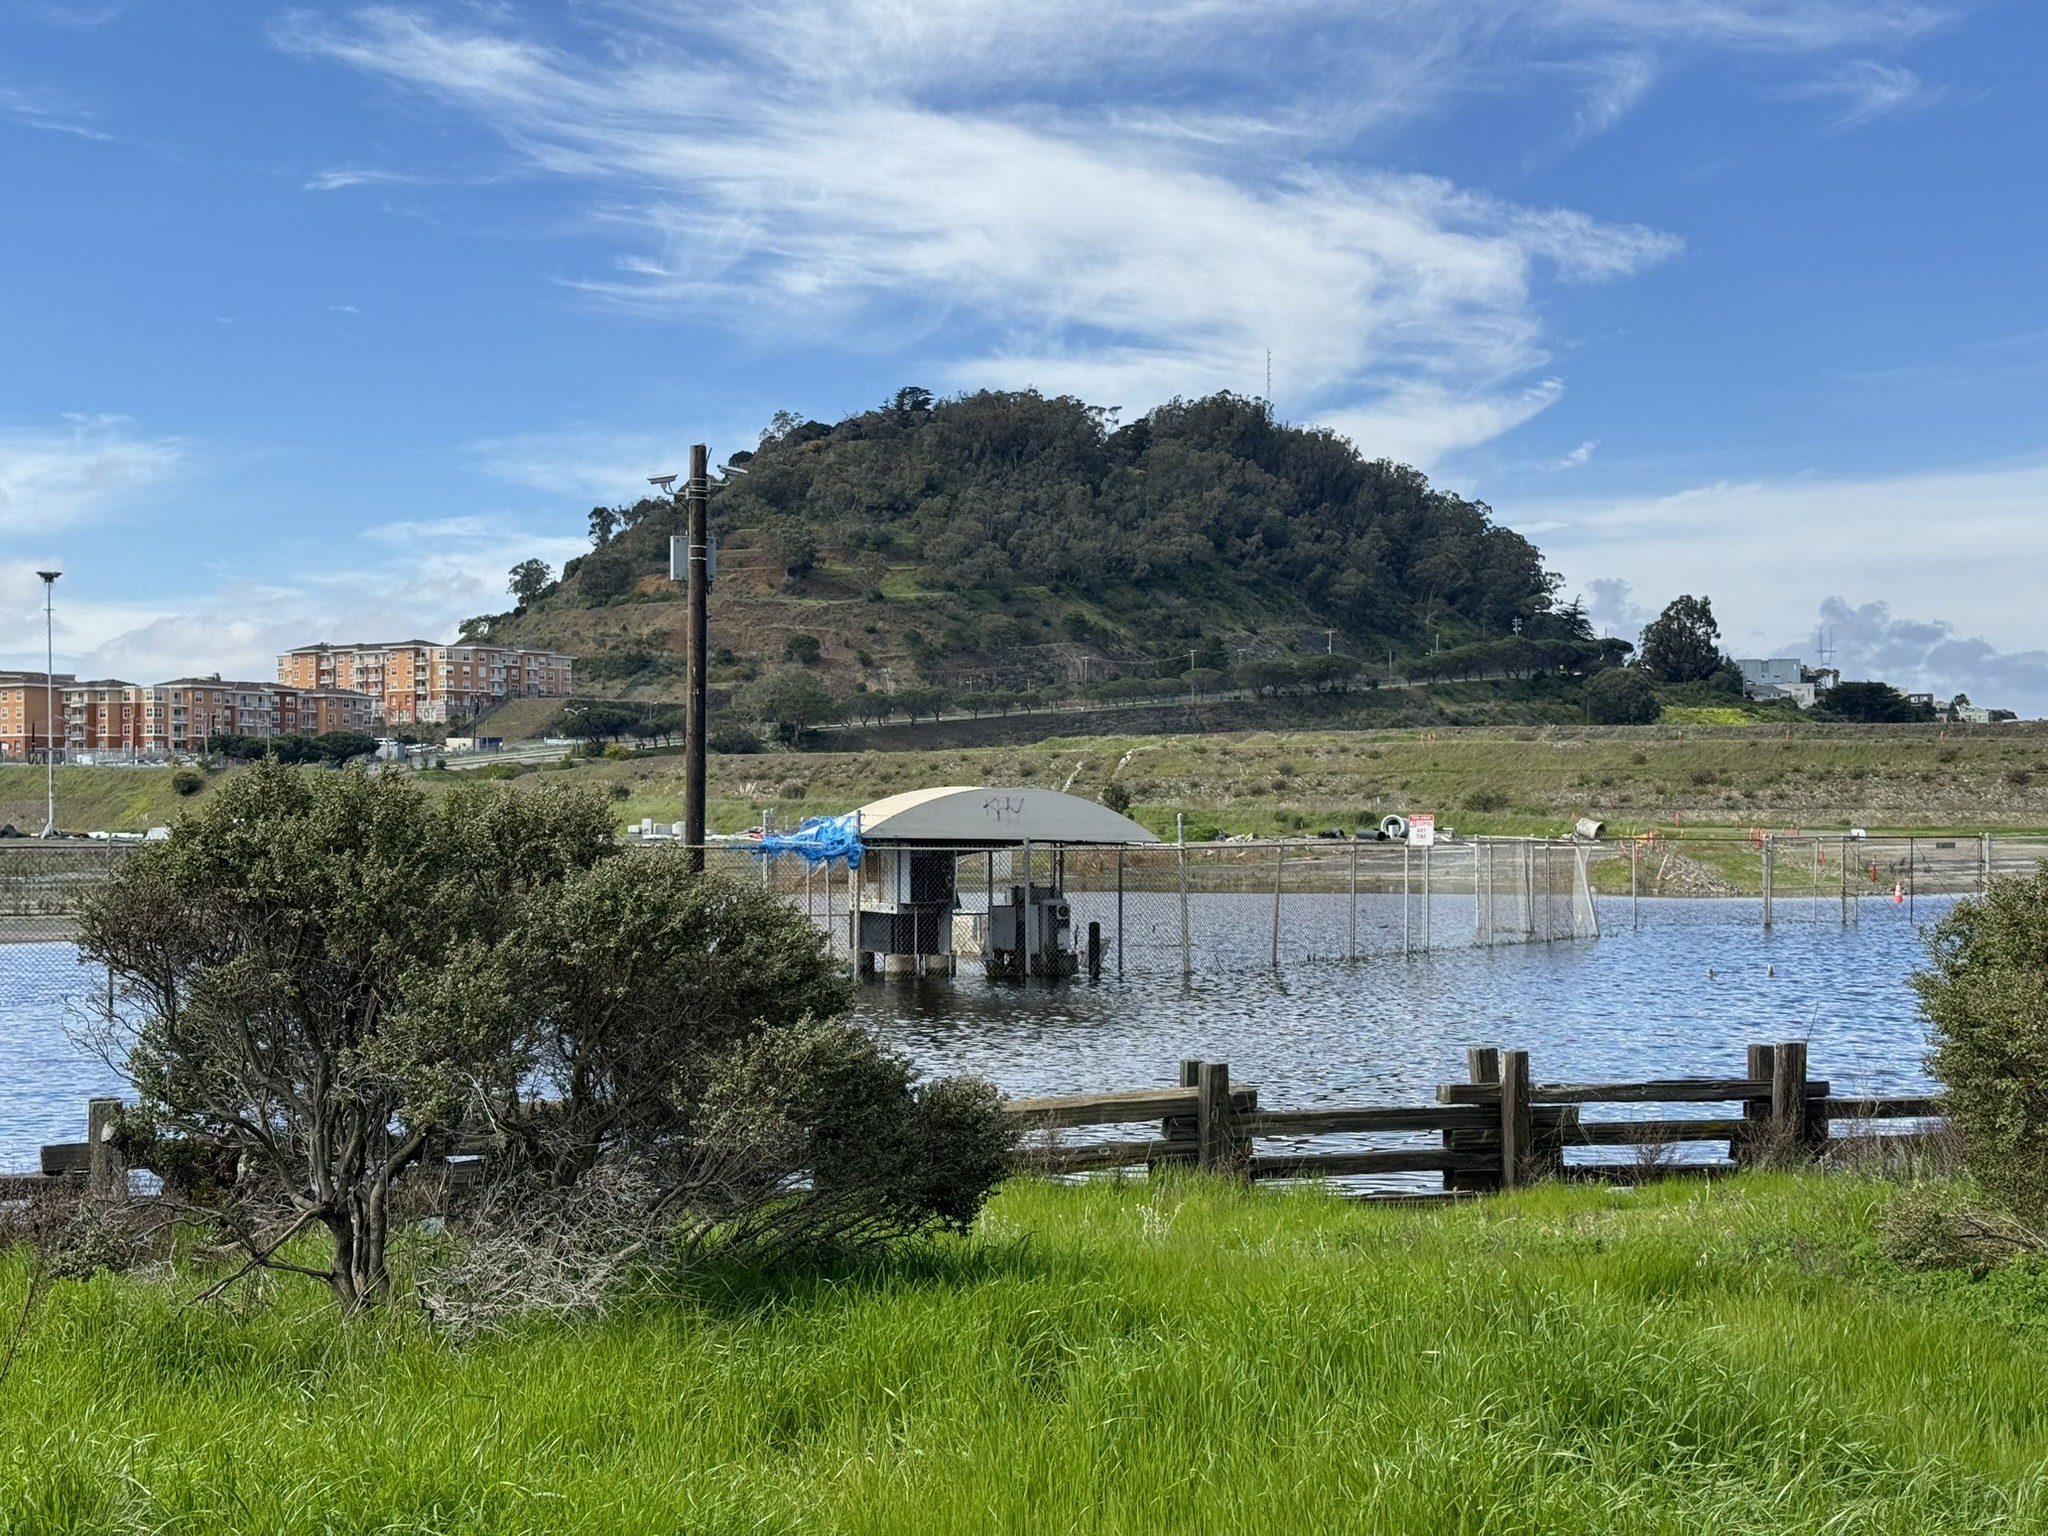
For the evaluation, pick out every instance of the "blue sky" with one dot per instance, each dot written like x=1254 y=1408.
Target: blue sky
x=313 y=319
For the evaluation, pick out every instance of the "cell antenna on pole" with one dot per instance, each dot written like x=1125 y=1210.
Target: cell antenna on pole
x=1269 y=375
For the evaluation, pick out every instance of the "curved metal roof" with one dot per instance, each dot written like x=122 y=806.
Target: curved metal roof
x=965 y=816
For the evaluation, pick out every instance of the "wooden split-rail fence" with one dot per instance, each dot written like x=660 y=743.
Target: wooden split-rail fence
x=1498 y=1129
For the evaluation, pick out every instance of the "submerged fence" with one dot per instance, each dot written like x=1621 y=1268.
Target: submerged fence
x=1174 y=908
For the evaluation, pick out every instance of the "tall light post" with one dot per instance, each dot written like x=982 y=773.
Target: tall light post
x=49 y=702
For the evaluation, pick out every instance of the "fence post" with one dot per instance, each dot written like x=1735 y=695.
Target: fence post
x=1475 y=893
x=1406 y=947
x=1119 y=914
x=1186 y=964
x=1213 y=1140
x=1755 y=1112
x=107 y=1174
x=1788 y=1096
x=1516 y=1123
x=1428 y=853
x=1352 y=951
x=1279 y=873
x=1482 y=1065
x=1024 y=920
x=1770 y=869
x=1635 y=900
x=1842 y=875
x=1094 y=950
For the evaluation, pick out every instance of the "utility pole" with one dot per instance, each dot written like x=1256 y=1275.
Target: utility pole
x=49 y=703
x=699 y=592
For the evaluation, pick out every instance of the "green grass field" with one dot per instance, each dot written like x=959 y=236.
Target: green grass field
x=1512 y=781
x=1481 y=781
x=1181 y=1357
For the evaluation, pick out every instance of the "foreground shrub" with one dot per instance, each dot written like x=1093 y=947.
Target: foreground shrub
x=277 y=957
x=1986 y=995
x=332 y=982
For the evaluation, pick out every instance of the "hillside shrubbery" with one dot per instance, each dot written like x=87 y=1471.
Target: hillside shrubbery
x=1201 y=517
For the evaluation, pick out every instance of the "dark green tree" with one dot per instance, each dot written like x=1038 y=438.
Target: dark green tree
x=604 y=522
x=281 y=958
x=604 y=574
x=529 y=579
x=791 y=700
x=1986 y=996
x=1621 y=696
x=1870 y=703
x=1683 y=643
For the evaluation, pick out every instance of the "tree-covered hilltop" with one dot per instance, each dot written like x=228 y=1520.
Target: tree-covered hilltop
x=1015 y=541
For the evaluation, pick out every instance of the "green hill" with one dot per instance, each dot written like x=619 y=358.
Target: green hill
x=1014 y=544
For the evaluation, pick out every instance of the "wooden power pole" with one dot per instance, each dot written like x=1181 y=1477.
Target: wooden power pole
x=696 y=497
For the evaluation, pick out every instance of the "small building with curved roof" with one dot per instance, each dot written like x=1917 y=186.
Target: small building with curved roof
x=965 y=817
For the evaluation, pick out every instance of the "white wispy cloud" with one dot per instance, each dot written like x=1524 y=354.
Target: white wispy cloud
x=1616 y=86
x=50 y=478
x=51 y=113
x=924 y=179
x=1124 y=201
x=342 y=178
x=1864 y=89
x=599 y=464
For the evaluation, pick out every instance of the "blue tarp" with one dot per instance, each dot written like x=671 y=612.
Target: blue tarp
x=820 y=839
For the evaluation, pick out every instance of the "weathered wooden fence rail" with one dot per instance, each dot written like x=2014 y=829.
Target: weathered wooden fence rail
x=1498 y=1129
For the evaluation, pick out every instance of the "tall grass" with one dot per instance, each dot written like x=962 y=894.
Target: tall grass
x=1183 y=1357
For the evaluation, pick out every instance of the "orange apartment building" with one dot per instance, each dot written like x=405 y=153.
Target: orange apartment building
x=420 y=683
x=24 y=717
x=182 y=716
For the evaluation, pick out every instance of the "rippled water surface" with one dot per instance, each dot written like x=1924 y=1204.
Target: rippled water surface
x=1682 y=996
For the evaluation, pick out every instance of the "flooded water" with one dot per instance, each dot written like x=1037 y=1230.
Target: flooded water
x=1682 y=996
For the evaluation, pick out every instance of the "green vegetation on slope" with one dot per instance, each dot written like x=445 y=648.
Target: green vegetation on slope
x=1178 y=1357
x=1498 y=781
x=93 y=799
x=1009 y=542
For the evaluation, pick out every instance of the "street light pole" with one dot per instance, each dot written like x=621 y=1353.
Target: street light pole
x=49 y=703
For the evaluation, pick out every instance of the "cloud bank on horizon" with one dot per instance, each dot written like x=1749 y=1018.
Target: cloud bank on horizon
x=1120 y=202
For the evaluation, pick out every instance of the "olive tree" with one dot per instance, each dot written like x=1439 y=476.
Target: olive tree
x=1986 y=995
x=282 y=956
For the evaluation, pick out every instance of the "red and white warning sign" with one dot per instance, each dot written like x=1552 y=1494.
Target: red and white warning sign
x=1422 y=829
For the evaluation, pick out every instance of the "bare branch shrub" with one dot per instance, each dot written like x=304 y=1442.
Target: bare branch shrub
x=527 y=1247
x=809 y=1138
x=1940 y=1226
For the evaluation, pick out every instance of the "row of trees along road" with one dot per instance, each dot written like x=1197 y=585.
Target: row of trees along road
x=324 y=982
